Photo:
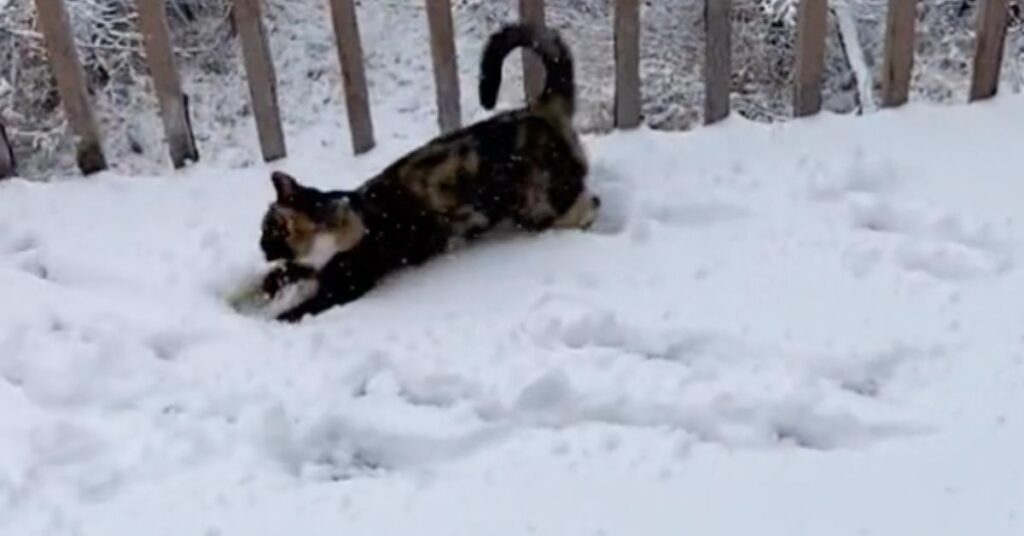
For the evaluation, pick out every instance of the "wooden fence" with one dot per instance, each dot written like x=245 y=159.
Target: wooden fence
x=811 y=32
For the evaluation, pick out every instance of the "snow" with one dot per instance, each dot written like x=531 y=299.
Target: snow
x=806 y=328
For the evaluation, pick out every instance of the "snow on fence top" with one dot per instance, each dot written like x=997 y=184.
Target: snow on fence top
x=991 y=31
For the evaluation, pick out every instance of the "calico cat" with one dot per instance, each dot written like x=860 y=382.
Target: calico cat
x=524 y=166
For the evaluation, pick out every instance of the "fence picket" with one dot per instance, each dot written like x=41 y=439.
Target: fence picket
x=532 y=12
x=627 y=63
x=353 y=74
x=993 y=16
x=717 y=59
x=261 y=78
x=67 y=69
x=446 y=70
x=899 y=52
x=810 y=57
x=160 y=57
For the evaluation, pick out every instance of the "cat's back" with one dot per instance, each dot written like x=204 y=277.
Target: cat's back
x=511 y=136
x=477 y=175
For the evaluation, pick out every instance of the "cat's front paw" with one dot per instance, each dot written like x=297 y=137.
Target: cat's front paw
x=292 y=316
x=280 y=277
x=249 y=296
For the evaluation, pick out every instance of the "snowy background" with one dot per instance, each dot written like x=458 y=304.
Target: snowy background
x=775 y=329
x=394 y=36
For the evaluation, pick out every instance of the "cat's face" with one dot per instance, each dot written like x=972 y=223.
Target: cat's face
x=307 y=226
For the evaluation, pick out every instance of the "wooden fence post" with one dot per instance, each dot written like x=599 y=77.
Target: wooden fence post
x=812 y=21
x=67 y=69
x=717 y=59
x=899 y=52
x=988 y=49
x=532 y=12
x=353 y=73
x=160 y=56
x=7 y=164
x=446 y=71
x=261 y=77
x=627 y=63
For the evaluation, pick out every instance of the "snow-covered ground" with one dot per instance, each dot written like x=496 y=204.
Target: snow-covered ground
x=803 y=329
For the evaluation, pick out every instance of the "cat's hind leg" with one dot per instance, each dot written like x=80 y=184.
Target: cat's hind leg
x=581 y=214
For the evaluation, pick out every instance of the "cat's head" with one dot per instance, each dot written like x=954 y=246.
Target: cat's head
x=307 y=226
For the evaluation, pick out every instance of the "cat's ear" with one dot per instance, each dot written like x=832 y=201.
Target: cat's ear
x=285 y=185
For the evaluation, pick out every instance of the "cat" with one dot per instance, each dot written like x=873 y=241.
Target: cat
x=524 y=166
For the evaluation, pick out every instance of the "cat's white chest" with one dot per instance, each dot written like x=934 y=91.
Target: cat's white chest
x=323 y=249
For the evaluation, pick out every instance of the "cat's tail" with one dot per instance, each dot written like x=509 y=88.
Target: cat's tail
x=559 y=88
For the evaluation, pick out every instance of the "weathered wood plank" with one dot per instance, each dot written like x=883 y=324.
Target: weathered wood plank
x=353 y=73
x=71 y=84
x=812 y=21
x=627 y=63
x=160 y=57
x=446 y=71
x=534 y=76
x=717 y=59
x=261 y=77
x=8 y=166
x=993 y=16
x=899 y=52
